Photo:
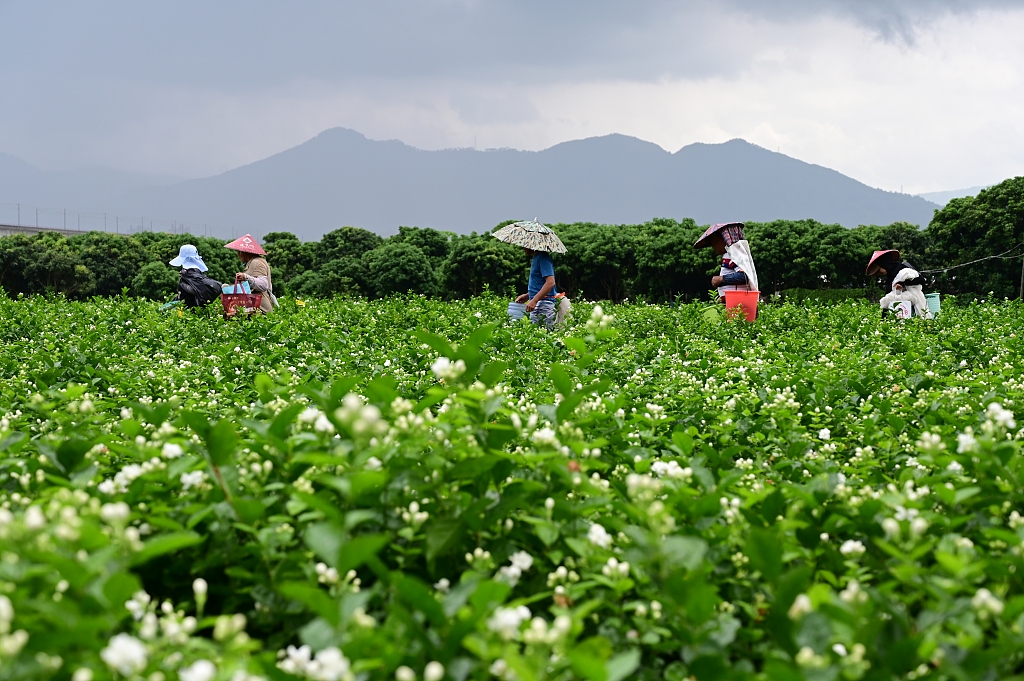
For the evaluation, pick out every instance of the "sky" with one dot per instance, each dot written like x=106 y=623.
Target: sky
x=914 y=96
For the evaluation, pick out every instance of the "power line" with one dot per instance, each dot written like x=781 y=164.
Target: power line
x=1001 y=256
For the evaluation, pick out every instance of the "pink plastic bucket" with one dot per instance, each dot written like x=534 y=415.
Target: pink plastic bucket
x=746 y=300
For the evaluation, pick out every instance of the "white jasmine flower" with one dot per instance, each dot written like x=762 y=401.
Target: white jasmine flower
x=852 y=548
x=34 y=518
x=373 y=464
x=115 y=513
x=966 y=441
x=171 y=450
x=193 y=479
x=125 y=654
x=1002 y=417
x=200 y=670
x=801 y=606
x=506 y=621
x=404 y=673
x=824 y=434
x=599 y=536
x=892 y=528
x=434 y=671
x=986 y=604
x=521 y=560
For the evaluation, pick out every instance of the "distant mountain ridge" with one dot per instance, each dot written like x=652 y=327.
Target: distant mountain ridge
x=342 y=178
x=942 y=198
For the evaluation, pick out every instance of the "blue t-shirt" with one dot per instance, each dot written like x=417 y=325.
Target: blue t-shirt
x=540 y=269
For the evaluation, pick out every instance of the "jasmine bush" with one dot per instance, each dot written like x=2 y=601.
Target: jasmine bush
x=411 y=489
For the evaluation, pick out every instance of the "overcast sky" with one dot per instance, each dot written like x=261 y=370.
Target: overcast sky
x=925 y=95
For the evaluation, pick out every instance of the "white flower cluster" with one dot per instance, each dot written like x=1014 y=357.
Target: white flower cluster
x=10 y=643
x=730 y=509
x=506 y=622
x=127 y=475
x=545 y=437
x=613 y=569
x=447 y=370
x=931 y=442
x=192 y=479
x=362 y=419
x=801 y=606
x=520 y=562
x=414 y=516
x=321 y=423
x=672 y=469
x=125 y=654
x=598 y=319
x=966 y=442
x=852 y=548
x=561 y=575
x=599 y=536
x=643 y=488
x=853 y=594
x=986 y=604
x=999 y=418
x=329 y=664
x=540 y=632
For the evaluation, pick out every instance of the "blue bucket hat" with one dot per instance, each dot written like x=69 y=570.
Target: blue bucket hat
x=188 y=258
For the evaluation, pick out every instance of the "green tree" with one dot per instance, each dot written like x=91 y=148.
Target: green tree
x=155 y=281
x=667 y=264
x=398 y=268
x=600 y=260
x=113 y=259
x=288 y=258
x=346 y=242
x=478 y=261
x=976 y=227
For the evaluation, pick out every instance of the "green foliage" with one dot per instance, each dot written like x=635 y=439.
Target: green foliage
x=975 y=227
x=155 y=281
x=798 y=296
x=398 y=267
x=415 y=483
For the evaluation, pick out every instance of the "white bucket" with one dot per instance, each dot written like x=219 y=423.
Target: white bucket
x=516 y=310
x=902 y=309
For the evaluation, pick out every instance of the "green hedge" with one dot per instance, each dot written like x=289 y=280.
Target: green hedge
x=836 y=295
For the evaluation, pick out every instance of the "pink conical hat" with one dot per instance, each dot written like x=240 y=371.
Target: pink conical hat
x=246 y=244
x=878 y=254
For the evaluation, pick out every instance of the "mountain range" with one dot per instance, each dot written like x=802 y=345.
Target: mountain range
x=342 y=178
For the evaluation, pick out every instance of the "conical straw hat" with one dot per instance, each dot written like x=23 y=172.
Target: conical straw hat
x=531 y=234
x=246 y=244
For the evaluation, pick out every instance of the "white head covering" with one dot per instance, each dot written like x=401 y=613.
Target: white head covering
x=189 y=258
x=739 y=253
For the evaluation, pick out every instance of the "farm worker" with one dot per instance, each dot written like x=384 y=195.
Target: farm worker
x=195 y=289
x=538 y=242
x=540 y=290
x=257 y=270
x=737 y=272
x=902 y=281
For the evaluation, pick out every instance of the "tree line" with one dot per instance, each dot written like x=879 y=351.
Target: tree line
x=654 y=260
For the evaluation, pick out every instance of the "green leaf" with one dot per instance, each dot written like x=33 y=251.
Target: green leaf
x=416 y=595
x=683 y=440
x=588 y=658
x=765 y=553
x=71 y=452
x=442 y=535
x=564 y=381
x=221 y=442
x=249 y=509
x=360 y=549
x=622 y=665
x=313 y=598
x=166 y=543
x=683 y=551
x=438 y=344
x=492 y=373
x=326 y=540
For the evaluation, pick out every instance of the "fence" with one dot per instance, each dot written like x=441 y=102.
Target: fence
x=22 y=218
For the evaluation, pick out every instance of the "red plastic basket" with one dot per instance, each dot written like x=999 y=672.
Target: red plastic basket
x=745 y=301
x=239 y=301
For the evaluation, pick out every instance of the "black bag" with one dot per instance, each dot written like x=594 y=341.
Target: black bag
x=195 y=289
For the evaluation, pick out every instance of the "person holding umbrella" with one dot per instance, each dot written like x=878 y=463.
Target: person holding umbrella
x=257 y=270
x=539 y=242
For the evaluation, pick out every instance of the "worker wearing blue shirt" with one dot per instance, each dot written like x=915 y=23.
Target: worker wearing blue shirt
x=541 y=291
